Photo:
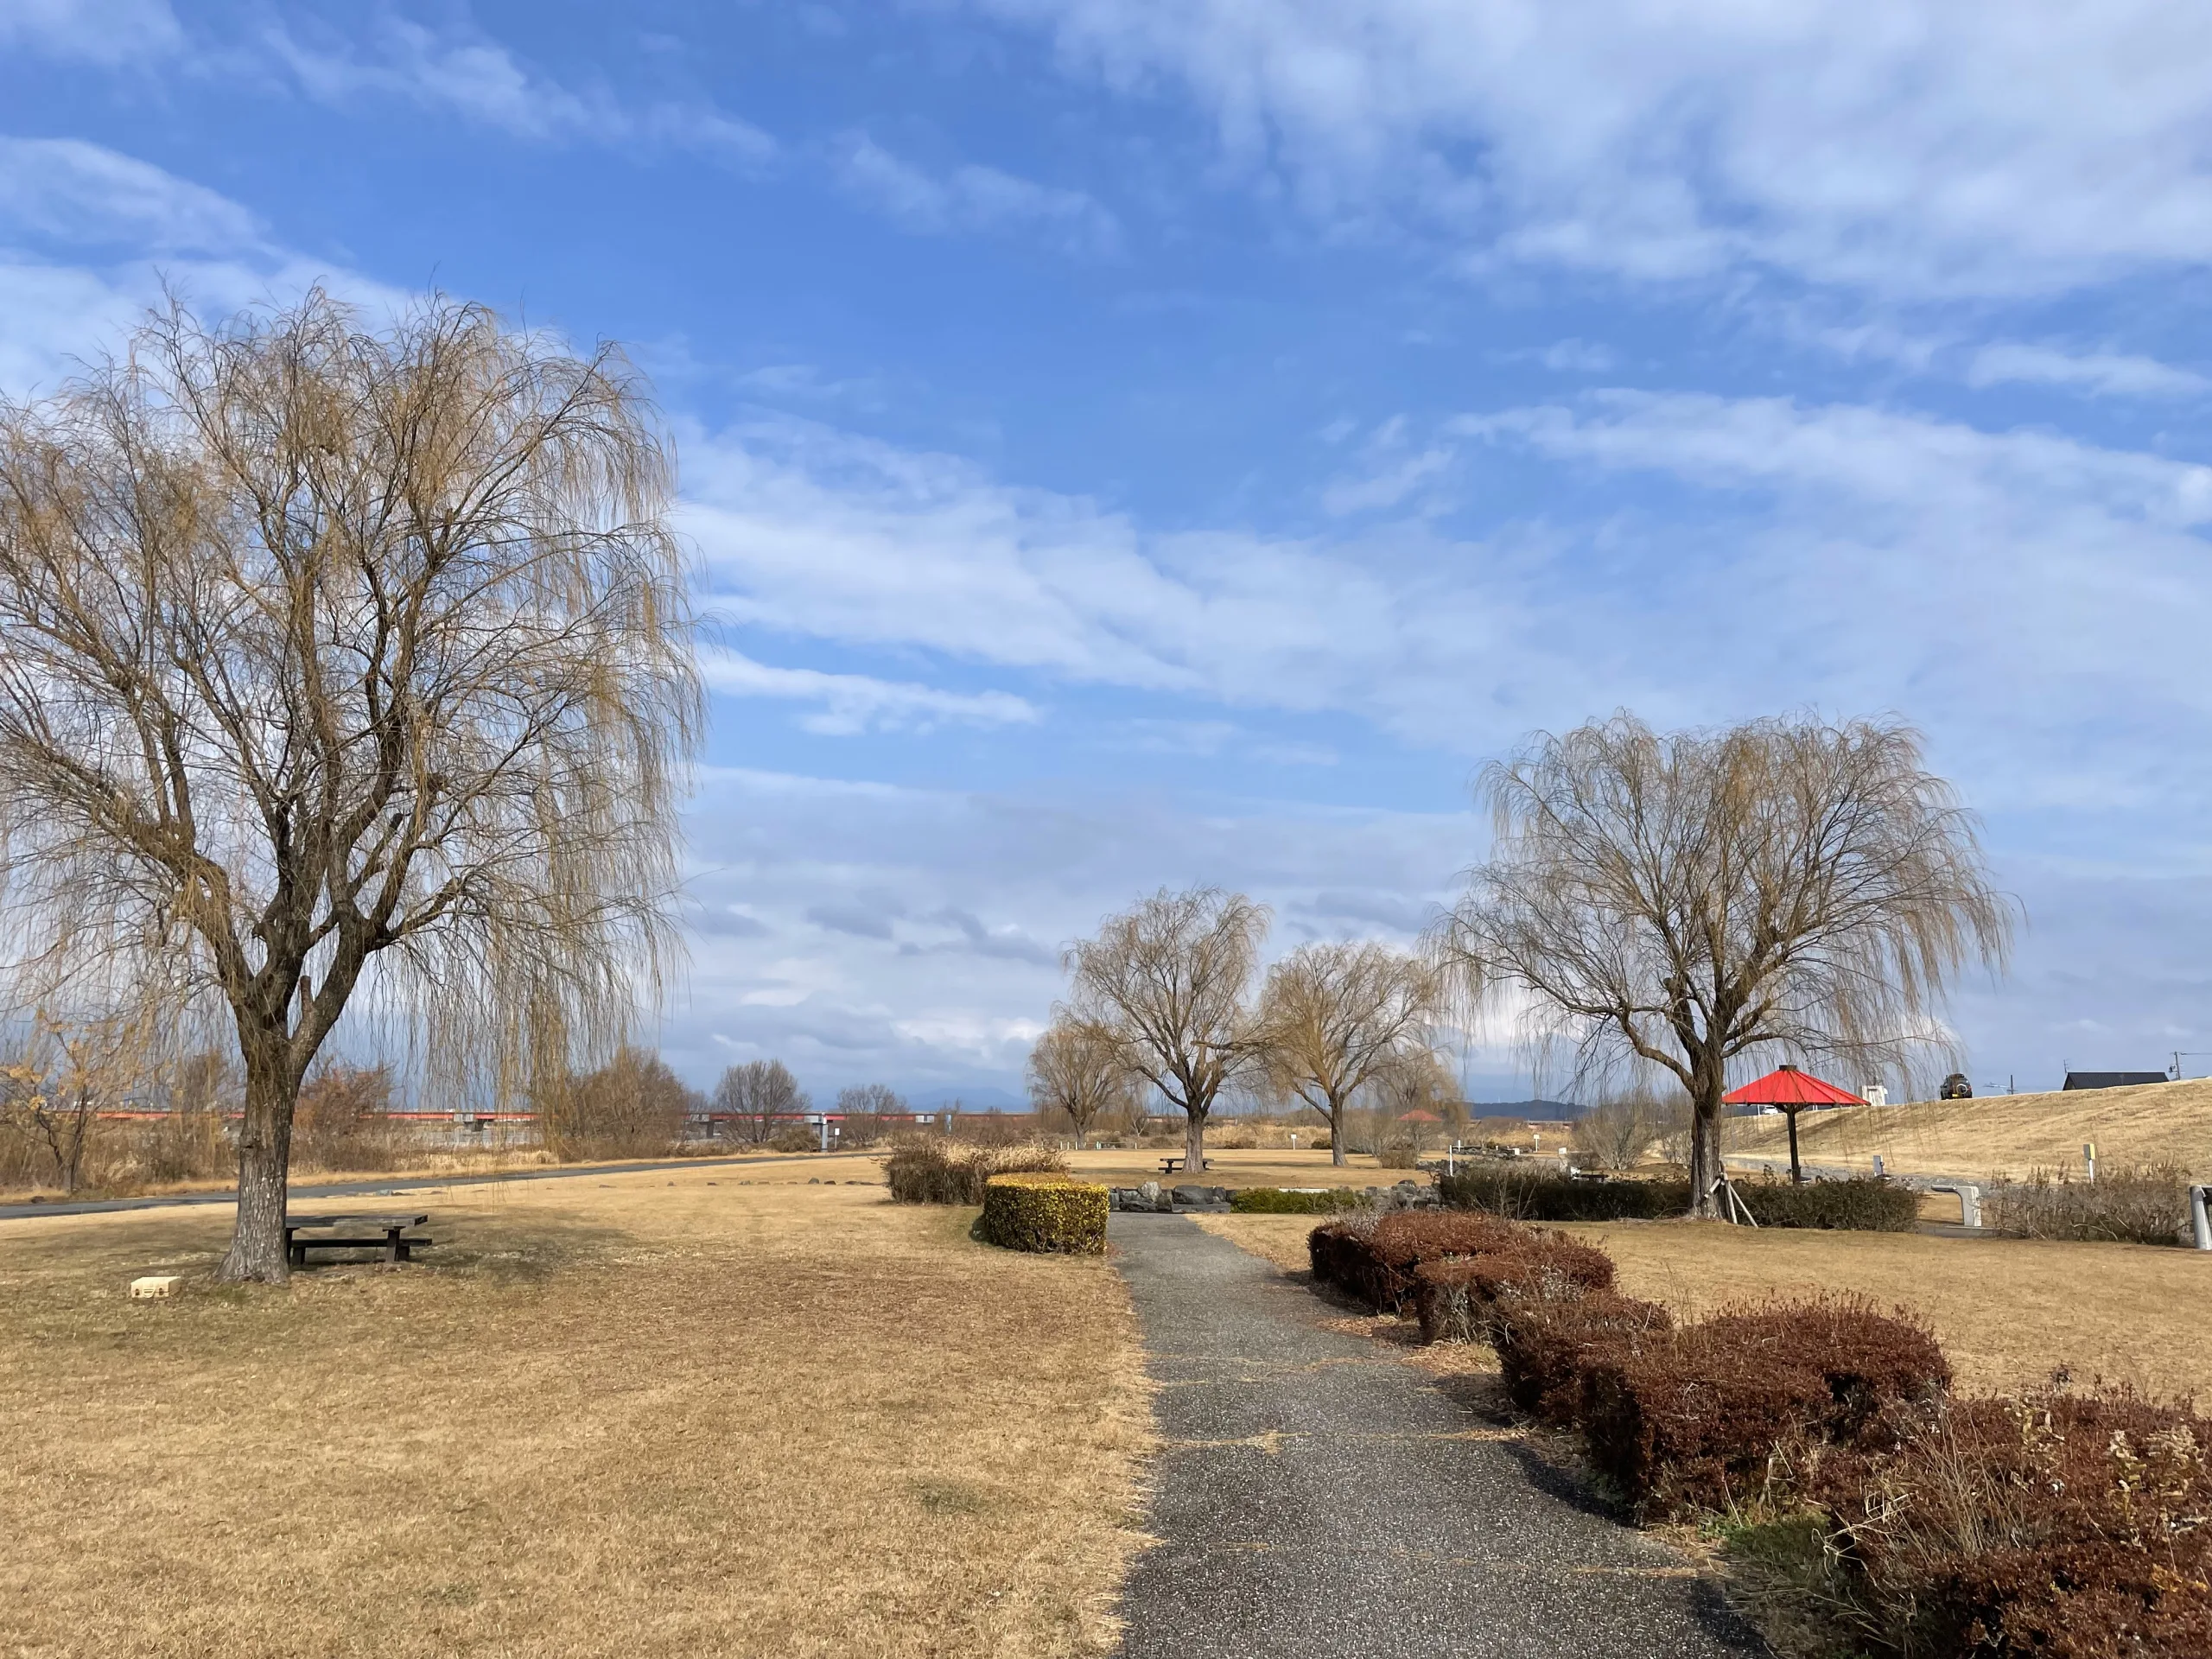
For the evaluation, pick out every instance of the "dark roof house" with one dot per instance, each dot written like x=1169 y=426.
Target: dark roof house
x=2111 y=1079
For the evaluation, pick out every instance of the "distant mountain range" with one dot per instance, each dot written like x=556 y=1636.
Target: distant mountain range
x=1536 y=1111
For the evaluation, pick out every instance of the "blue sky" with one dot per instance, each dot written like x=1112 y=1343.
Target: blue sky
x=1143 y=441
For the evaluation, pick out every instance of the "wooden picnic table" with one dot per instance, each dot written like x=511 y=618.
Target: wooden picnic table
x=1169 y=1165
x=385 y=1231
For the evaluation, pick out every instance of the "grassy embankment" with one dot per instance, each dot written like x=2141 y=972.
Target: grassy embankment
x=2009 y=1135
x=704 y=1411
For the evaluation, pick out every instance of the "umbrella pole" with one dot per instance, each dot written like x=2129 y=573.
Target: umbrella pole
x=1796 y=1172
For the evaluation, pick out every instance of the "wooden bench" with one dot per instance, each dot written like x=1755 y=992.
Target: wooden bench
x=1170 y=1166
x=387 y=1233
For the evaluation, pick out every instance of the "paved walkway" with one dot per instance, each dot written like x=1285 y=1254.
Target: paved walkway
x=1318 y=1497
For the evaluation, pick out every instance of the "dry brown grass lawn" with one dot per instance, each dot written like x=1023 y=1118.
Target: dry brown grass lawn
x=2008 y=1311
x=2151 y=1123
x=702 y=1411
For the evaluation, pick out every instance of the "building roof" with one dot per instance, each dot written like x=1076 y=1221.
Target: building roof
x=2112 y=1079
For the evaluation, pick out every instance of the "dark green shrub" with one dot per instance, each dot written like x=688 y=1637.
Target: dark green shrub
x=937 y=1172
x=1854 y=1206
x=1523 y=1193
x=1278 y=1201
x=1044 y=1211
x=1526 y=1194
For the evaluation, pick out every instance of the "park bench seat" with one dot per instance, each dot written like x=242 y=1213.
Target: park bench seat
x=1169 y=1165
x=385 y=1232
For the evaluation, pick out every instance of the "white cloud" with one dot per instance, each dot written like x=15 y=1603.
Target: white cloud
x=68 y=191
x=2106 y=373
x=852 y=703
x=971 y=198
x=95 y=31
x=1980 y=146
x=912 y=935
x=2016 y=592
x=811 y=531
x=481 y=80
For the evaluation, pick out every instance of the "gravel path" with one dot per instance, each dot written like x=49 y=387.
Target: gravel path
x=1318 y=1497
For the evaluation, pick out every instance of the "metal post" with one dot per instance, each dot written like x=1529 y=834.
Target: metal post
x=2089 y=1158
x=2199 y=1226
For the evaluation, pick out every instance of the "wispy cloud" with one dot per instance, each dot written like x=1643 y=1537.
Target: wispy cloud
x=970 y=198
x=2116 y=374
x=108 y=32
x=852 y=703
x=2011 y=146
x=482 y=81
x=67 y=191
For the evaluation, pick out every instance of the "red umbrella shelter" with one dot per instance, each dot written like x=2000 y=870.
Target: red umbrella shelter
x=1791 y=1091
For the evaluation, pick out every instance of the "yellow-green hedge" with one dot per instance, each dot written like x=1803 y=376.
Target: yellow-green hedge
x=1043 y=1212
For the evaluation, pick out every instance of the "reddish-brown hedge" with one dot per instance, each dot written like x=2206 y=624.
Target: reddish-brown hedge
x=1694 y=1423
x=1378 y=1266
x=1544 y=1347
x=2071 y=1526
x=1454 y=1296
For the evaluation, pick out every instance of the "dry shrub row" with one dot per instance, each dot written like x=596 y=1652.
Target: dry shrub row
x=1373 y=1255
x=2071 y=1526
x=1527 y=1194
x=1691 y=1419
x=1454 y=1295
x=933 y=1170
x=2077 y=1526
x=2144 y=1204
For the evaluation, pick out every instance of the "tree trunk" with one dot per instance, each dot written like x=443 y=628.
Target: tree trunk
x=257 y=1250
x=1194 y=1144
x=1706 y=1167
x=1337 y=1133
x=1796 y=1170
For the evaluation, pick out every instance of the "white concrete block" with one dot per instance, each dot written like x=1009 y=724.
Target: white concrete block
x=157 y=1284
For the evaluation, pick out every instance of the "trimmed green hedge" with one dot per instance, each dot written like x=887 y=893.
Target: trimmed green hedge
x=1277 y=1201
x=1043 y=1212
x=1537 y=1195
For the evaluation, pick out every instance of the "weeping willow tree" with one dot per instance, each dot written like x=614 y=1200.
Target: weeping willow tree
x=1683 y=901
x=345 y=666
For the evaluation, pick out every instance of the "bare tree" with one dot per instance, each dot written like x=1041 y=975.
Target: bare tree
x=340 y=659
x=631 y=1107
x=863 y=1109
x=343 y=1119
x=1334 y=1018
x=757 y=1095
x=1683 y=900
x=1166 y=980
x=69 y=1072
x=1076 y=1068
x=1617 y=1132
